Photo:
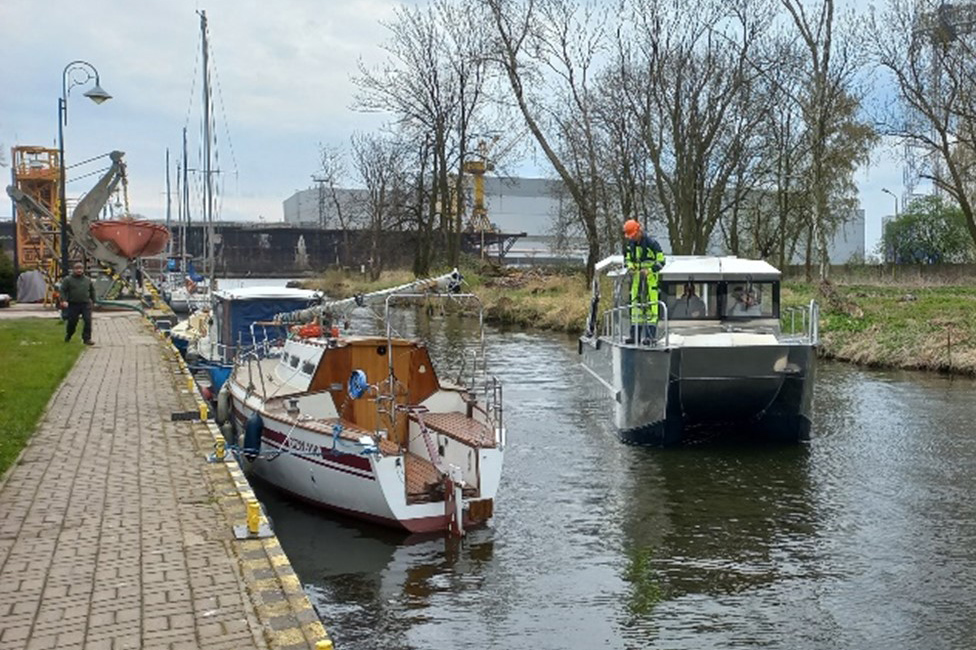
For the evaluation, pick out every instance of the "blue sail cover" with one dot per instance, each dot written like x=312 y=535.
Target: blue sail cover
x=236 y=310
x=191 y=272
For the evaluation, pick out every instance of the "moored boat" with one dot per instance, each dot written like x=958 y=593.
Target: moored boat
x=364 y=424
x=131 y=238
x=721 y=360
x=236 y=318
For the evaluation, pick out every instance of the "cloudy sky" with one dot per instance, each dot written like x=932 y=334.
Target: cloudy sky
x=282 y=85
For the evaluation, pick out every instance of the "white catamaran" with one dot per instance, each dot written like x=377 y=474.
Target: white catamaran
x=721 y=360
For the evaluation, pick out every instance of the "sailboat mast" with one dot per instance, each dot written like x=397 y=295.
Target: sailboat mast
x=186 y=206
x=208 y=182
x=169 y=208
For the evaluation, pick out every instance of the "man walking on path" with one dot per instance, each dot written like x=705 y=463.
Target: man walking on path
x=77 y=297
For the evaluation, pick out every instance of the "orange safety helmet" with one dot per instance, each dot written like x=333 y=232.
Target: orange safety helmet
x=632 y=229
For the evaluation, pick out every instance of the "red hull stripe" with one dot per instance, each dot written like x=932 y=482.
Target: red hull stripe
x=350 y=461
x=417 y=525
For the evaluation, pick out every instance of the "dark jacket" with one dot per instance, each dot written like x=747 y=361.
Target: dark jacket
x=77 y=289
x=645 y=253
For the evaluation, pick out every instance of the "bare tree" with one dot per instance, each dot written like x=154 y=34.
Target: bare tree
x=434 y=85
x=329 y=178
x=690 y=81
x=929 y=49
x=380 y=162
x=786 y=148
x=829 y=104
x=548 y=51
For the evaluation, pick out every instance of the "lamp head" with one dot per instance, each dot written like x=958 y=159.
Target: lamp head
x=97 y=94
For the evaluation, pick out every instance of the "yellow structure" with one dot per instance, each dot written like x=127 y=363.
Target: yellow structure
x=37 y=173
x=477 y=168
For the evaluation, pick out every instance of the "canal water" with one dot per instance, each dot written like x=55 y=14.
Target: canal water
x=863 y=538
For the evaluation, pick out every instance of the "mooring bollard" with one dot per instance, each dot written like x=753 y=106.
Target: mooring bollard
x=253 y=516
x=189 y=382
x=203 y=410
x=219 y=449
x=324 y=645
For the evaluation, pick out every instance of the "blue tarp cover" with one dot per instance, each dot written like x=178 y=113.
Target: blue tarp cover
x=235 y=315
x=192 y=272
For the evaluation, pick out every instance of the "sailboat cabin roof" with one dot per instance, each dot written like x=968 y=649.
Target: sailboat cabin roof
x=267 y=293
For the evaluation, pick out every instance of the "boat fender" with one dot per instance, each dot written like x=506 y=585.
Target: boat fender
x=252 y=436
x=223 y=404
x=227 y=430
x=357 y=384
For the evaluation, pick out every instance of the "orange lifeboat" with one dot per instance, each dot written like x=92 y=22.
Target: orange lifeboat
x=130 y=237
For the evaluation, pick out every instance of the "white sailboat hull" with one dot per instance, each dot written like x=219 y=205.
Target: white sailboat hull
x=299 y=456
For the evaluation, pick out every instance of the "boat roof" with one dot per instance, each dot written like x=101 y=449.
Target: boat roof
x=266 y=293
x=701 y=267
x=704 y=267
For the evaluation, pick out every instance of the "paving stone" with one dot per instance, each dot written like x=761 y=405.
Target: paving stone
x=108 y=523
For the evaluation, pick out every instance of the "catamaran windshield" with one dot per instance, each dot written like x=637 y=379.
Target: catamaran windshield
x=690 y=300
x=744 y=299
x=695 y=300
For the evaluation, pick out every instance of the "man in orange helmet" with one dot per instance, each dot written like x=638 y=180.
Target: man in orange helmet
x=644 y=258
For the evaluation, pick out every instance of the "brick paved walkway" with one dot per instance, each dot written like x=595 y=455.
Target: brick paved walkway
x=116 y=533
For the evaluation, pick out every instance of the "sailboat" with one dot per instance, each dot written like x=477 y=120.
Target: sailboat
x=364 y=424
x=190 y=290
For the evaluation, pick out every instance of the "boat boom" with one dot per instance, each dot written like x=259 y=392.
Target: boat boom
x=446 y=283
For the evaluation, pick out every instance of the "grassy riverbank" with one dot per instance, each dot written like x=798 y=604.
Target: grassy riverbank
x=34 y=359
x=916 y=325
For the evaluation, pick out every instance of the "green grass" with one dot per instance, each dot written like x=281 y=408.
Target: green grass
x=927 y=327
x=34 y=359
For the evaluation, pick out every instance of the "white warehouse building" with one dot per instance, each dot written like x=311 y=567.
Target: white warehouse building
x=529 y=205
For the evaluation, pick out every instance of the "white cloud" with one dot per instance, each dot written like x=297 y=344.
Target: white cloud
x=282 y=85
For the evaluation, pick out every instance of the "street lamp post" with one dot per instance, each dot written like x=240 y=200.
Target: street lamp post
x=894 y=196
x=895 y=218
x=78 y=73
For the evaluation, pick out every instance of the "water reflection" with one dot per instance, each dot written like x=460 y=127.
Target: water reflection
x=865 y=538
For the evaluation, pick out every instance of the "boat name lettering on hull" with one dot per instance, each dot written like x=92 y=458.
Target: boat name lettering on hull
x=303 y=447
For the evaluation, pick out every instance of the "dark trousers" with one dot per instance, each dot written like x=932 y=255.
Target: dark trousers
x=643 y=332
x=76 y=309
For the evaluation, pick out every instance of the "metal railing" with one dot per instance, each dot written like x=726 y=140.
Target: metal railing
x=809 y=317
x=617 y=325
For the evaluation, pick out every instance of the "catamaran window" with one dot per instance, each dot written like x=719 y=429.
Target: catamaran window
x=689 y=300
x=744 y=299
x=308 y=368
x=293 y=362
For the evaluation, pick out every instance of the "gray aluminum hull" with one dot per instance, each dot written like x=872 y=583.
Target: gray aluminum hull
x=664 y=395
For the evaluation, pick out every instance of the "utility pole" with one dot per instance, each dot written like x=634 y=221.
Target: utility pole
x=320 y=182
